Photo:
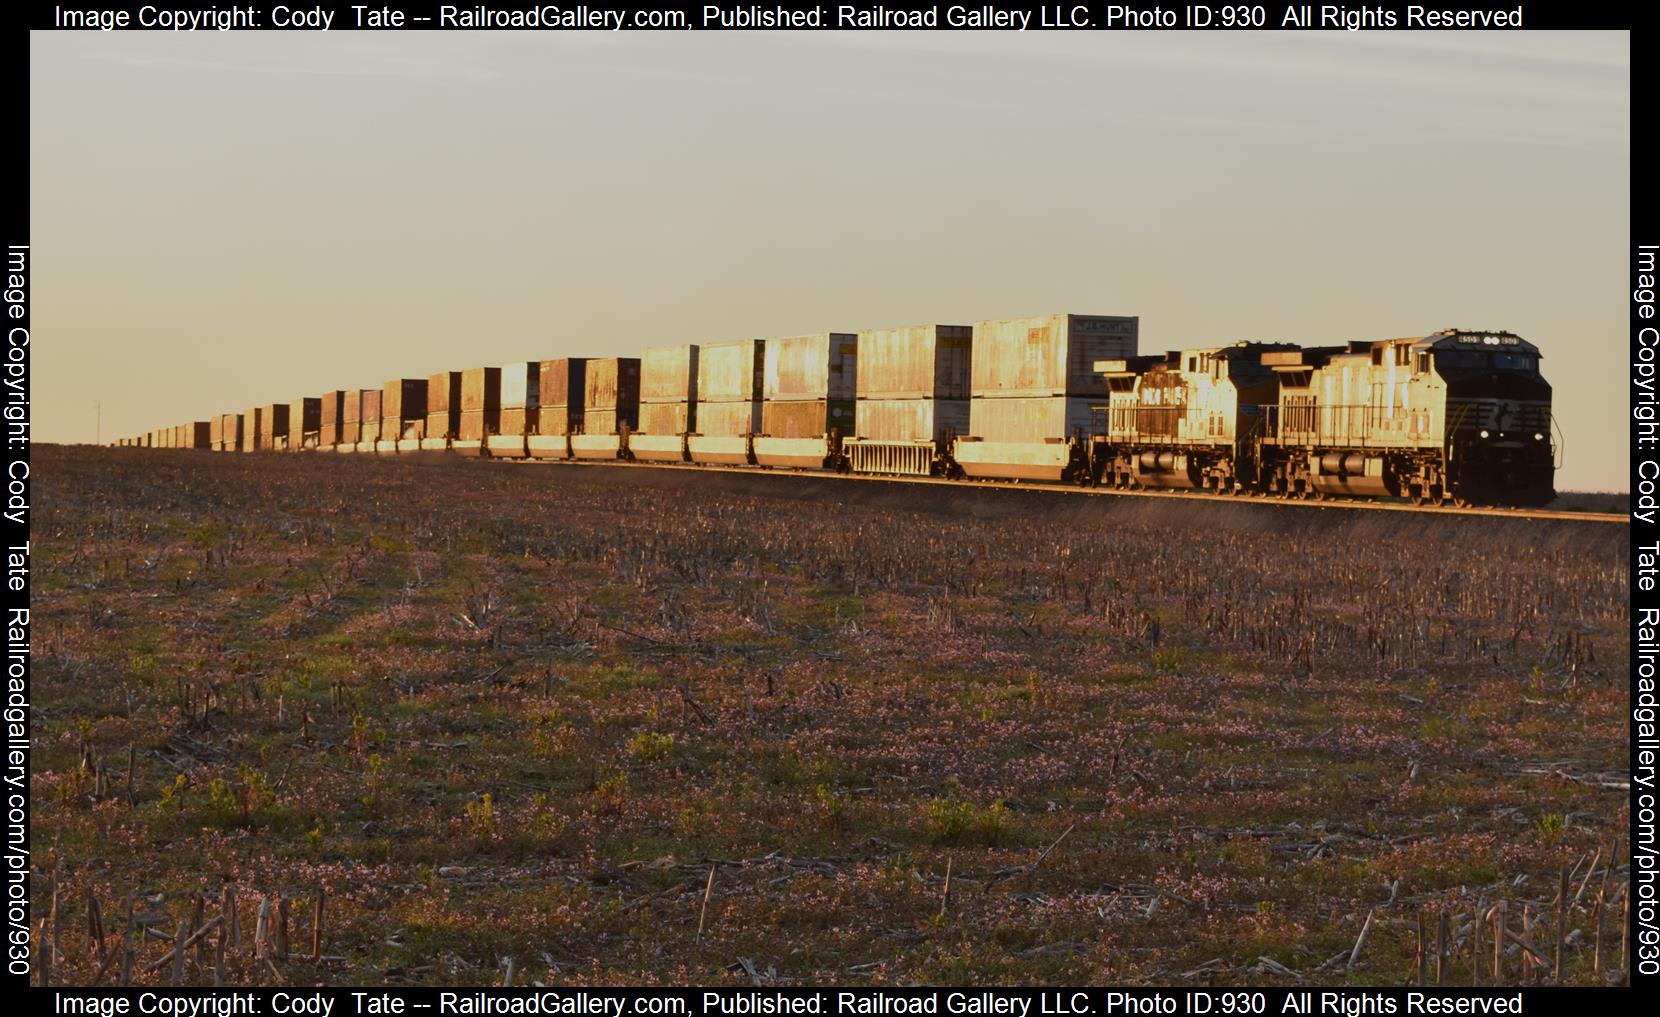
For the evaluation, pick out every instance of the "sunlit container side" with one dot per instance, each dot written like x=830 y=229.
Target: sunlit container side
x=563 y=389
x=611 y=408
x=728 y=418
x=1033 y=381
x=304 y=420
x=731 y=372
x=612 y=383
x=403 y=415
x=521 y=388
x=443 y=416
x=730 y=377
x=230 y=432
x=369 y=419
x=351 y=419
x=480 y=408
x=1049 y=355
x=216 y=432
x=913 y=385
x=807 y=399
x=726 y=433
x=329 y=418
x=668 y=403
x=273 y=427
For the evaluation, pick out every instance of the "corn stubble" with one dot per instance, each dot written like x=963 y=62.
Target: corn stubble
x=331 y=719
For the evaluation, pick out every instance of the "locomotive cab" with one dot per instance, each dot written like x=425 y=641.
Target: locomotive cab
x=1497 y=429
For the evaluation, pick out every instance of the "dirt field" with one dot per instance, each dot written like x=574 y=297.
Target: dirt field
x=504 y=714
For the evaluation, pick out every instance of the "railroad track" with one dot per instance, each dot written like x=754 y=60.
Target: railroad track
x=1343 y=504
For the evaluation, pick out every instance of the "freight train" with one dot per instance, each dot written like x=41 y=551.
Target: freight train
x=1460 y=416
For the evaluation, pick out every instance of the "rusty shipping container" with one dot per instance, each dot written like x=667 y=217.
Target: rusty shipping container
x=329 y=418
x=443 y=410
x=612 y=383
x=305 y=417
x=807 y=399
x=563 y=389
x=915 y=362
x=480 y=406
x=1033 y=384
x=668 y=403
x=351 y=418
x=201 y=434
x=731 y=371
x=729 y=382
x=729 y=419
x=913 y=387
x=611 y=395
x=563 y=381
x=667 y=418
x=1049 y=355
x=668 y=374
x=911 y=420
x=403 y=403
x=369 y=419
x=609 y=421
x=817 y=367
x=273 y=427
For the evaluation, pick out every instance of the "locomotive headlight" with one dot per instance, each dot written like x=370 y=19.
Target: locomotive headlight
x=1538 y=437
x=1484 y=433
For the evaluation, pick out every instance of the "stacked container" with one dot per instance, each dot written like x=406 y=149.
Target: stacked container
x=668 y=403
x=304 y=420
x=1034 y=382
x=807 y=400
x=560 y=415
x=273 y=427
x=480 y=408
x=913 y=385
x=200 y=434
x=729 y=384
x=610 y=408
x=329 y=419
x=370 y=423
x=443 y=410
x=521 y=389
x=403 y=415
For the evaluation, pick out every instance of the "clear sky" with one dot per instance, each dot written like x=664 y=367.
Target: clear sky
x=222 y=220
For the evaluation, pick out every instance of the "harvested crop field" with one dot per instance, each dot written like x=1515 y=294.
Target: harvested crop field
x=518 y=714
